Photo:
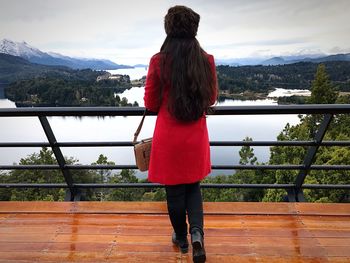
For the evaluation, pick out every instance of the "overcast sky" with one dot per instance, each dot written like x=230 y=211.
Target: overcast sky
x=131 y=31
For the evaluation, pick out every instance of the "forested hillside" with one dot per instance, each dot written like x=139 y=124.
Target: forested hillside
x=292 y=76
x=60 y=92
x=14 y=68
x=39 y=85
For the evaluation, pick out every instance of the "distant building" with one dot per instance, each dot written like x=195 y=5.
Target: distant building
x=109 y=76
x=103 y=77
x=116 y=77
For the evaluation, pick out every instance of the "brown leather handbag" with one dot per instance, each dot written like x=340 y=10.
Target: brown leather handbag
x=142 y=149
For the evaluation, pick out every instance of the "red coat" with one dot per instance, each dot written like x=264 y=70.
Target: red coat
x=180 y=150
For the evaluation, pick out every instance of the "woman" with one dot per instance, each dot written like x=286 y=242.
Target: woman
x=181 y=86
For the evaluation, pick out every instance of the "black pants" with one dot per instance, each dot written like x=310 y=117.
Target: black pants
x=181 y=199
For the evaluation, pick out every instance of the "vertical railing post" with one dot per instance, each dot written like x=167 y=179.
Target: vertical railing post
x=309 y=158
x=70 y=196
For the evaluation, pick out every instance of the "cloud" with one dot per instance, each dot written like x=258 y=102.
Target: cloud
x=112 y=28
x=337 y=50
x=266 y=42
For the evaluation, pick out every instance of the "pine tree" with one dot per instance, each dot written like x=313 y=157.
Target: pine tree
x=247 y=153
x=322 y=91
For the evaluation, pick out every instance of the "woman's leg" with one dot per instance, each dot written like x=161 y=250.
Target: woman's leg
x=176 y=200
x=194 y=207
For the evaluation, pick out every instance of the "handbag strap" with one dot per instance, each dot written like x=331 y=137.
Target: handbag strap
x=139 y=128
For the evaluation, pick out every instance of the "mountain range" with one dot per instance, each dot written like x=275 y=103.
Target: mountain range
x=14 y=68
x=34 y=55
x=283 y=60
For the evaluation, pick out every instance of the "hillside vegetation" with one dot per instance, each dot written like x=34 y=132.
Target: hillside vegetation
x=263 y=79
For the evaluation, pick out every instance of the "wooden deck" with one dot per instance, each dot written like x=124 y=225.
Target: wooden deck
x=141 y=232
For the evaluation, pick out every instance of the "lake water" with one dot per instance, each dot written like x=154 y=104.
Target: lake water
x=134 y=73
x=67 y=129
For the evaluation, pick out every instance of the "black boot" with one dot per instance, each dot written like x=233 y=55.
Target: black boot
x=198 y=253
x=182 y=243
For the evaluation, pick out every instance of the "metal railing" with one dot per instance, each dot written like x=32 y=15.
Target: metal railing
x=295 y=190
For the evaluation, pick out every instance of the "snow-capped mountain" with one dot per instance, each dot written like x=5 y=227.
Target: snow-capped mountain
x=20 y=49
x=34 y=55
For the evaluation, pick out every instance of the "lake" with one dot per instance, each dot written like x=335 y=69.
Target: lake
x=67 y=129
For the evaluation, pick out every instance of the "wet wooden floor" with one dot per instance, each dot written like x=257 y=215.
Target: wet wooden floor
x=141 y=232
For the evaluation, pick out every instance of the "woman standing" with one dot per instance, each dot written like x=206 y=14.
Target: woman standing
x=181 y=86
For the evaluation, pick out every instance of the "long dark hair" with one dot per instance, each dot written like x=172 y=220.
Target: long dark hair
x=186 y=66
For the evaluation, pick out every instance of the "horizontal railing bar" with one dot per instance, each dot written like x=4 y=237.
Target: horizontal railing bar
x=260 y=186
x=214 y=167
x=278 y=143
x=152 y=185
x=66 y=144
x=283 y=109
x=121 y=185
x=213 y=143
x=326 y=186
x=99 y=167
x=257 y=167
x=30 y=167
x=23 y=185
x=137 y=111
x=335 y=143
x=24 y=144
x=330 y=167
x=143 y=185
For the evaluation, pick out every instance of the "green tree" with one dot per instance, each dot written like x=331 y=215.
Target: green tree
x=247 y=153
x=339 y=129
x=322 y=90
x=124 y=102
x=240 y=177
x=45 y=156
x=103 y=175
x=125 y=176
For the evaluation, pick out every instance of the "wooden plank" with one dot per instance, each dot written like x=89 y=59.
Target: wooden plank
x=338 y=259
x=108 y=233
x=15 y=229
x=20 y=256
x=165 y=257
x=284 y=241
x=28 y=237
x=291 y=259
x=323 y=209
x=335 y=242
x=333 y=251
x=84 y=238
x=35 y=207
x=19 y=246
x=76 y=246
x=249 y=208
x=238 y=208
x=326 y=222
x=329 y=233
x=267 y=250
x=279 y=221
x=121 y=207
x=278 y=232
